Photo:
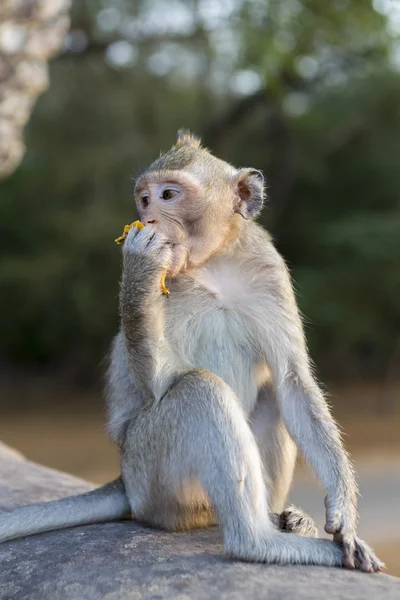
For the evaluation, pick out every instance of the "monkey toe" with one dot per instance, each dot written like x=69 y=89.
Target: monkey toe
x=357 y=554
x=295 y=520
x=366 y=559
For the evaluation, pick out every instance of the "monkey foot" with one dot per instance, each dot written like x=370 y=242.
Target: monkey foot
x=295 y=520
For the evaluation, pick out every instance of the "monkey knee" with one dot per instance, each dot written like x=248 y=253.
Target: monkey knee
x=208 y=382
x=207 y=401
x=205 y=390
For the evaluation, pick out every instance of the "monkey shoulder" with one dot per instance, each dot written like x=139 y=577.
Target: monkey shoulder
x=261 y=262
x=258 y=243
x=237 y=279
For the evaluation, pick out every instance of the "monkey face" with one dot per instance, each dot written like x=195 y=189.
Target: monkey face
x=196 y=200
x=192 y=210
x=170 y=200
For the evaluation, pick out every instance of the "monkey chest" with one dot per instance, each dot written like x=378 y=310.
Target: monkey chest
x=209 y=327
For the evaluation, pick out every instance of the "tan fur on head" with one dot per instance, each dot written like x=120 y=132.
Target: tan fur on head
x=186 y=138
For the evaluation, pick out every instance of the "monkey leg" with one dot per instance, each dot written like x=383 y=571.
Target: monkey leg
x=278 y=453
x=191 y=451
x=194 y=446
x=277 y=449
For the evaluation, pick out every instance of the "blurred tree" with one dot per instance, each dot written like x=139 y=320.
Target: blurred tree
x=307 y=91
x=31 y=32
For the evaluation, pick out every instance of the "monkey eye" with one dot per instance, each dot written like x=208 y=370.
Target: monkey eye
x=145 y=201
x=168 y=194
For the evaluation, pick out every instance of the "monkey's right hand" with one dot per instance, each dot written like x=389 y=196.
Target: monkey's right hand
x=341 y=523
x=148 y=246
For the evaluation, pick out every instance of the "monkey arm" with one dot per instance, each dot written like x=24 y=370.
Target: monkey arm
x=148 y=353
x=123 y=396
x=311 y=425
x=303 y=406
x=305 y=411
x=121 y=239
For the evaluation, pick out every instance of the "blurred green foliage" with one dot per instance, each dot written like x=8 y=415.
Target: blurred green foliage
x=308 y=91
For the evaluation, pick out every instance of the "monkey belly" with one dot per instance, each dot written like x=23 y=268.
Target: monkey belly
x=216 y=339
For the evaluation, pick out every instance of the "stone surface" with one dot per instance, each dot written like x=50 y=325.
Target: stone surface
x=124 y=561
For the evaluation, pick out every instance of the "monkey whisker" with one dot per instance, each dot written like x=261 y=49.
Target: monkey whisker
x=168 y=217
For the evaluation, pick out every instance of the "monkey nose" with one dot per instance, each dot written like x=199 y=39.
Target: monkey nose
x=151 y=221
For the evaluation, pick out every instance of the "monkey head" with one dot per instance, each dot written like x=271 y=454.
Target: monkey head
x=196 y=199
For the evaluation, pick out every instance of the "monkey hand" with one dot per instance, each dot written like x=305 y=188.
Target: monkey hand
x=341 y=523
x=121 y=239
x=148 y=246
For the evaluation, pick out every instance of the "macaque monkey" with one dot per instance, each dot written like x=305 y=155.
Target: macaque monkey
x=210 y=390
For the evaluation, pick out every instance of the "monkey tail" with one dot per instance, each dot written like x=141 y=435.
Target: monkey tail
x=107 y=503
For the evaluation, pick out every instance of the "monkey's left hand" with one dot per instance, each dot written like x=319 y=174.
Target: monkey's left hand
x=342 y=525
x=149 y=248
x=150 y=244
x=121 y=239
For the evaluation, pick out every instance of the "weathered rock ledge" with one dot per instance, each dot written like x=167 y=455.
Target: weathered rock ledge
x=124 y=561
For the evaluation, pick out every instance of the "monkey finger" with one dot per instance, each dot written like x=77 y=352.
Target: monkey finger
x=142 y=241
x=156 y=239
x=333 y=524
x=333 y=517
x=369 y=563
x=364 y=558
x=330 y=527
x=348 y=544
x=159 y=249
x=377 y=564
x=131 y=239
x=366 y=565
x=348 y=553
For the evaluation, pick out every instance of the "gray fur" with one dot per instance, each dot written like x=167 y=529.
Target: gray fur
x=211 y=390
x=108 y=503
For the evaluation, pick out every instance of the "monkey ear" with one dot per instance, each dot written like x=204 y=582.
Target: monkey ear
x=186 y=138
x=249 y=193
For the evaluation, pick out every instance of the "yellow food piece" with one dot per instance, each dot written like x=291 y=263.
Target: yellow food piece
x=122 y=238
x=127 y=228
x=164 y=289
